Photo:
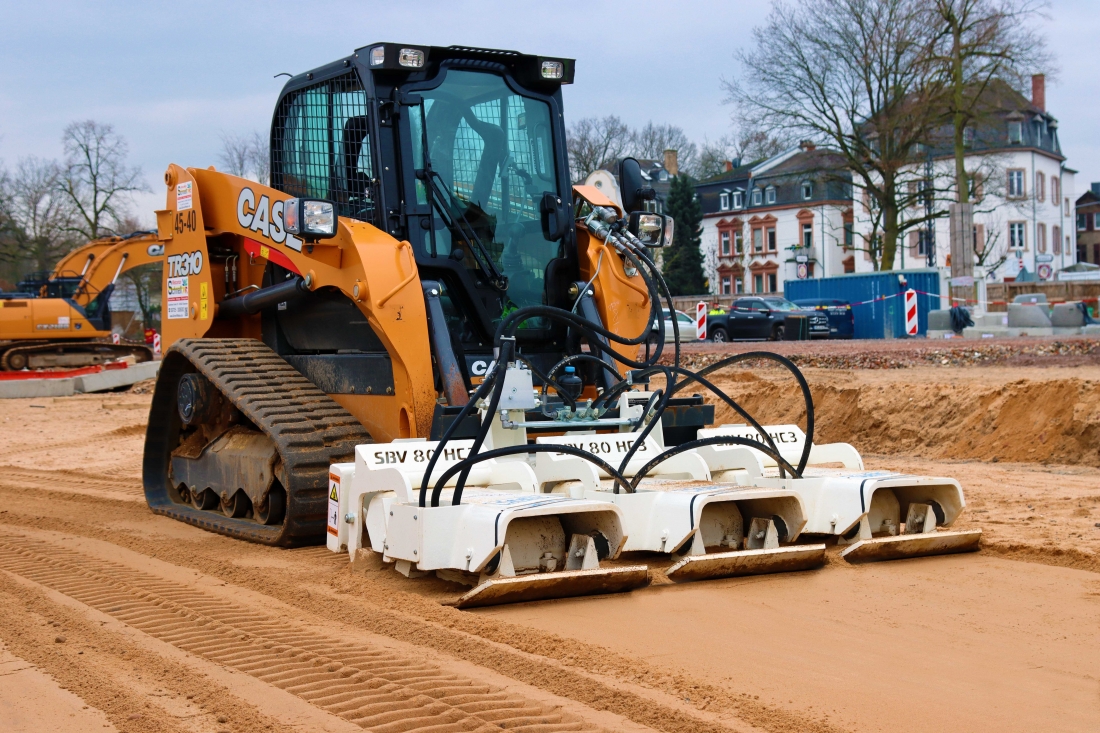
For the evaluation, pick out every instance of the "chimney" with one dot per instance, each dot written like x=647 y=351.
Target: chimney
x=807 y=146
x=727 y=166
x=671 y=165
x=1039 y=91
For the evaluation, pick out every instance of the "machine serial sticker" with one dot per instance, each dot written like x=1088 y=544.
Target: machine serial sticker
x=183 y=196
x=333 y=504
x=178 y=302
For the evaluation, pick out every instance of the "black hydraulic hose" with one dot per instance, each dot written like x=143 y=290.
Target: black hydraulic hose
x=802 y=384
x=667 y=294
x=467 y=463
x=665 y=396
x=692 y=444
x=547 y=381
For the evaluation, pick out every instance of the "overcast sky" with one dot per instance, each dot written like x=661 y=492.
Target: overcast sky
x=173 y=77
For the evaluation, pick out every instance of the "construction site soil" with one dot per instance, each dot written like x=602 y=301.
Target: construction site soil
x=112 y=618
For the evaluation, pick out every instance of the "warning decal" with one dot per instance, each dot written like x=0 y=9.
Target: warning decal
x=178 y=303
x=183 y=196
x=333 y=504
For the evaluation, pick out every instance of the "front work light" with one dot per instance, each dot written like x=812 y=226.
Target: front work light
x=412 y=58
x=309 y=218
x=649 y=228
x=377 y=56
x=553 y=69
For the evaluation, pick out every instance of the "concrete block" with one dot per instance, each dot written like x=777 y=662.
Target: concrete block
x=1030 y=298
x=986 y=332
x=1067 y=315
x=115 y=378
x=1066 y=330
x=939 y=334
x=990 y=320
x=1027 y=316
x=939 y=320
x=1092 y=329
x=16 y=388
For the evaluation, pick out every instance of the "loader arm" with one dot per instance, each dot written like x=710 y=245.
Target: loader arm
x=102 y=261
x=221 y=233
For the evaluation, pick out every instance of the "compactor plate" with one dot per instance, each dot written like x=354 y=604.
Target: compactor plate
x=565 y=584
x=913 y=545
x=747 y=562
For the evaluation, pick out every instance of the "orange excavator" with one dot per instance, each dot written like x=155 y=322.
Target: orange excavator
x=63 y=318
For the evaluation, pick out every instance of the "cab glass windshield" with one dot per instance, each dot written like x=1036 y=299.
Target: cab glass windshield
x=492 y=150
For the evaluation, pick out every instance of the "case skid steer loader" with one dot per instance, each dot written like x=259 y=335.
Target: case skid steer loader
x=63 y=318
x=383 y=343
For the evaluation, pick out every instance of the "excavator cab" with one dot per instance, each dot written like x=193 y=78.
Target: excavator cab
x=459 y=151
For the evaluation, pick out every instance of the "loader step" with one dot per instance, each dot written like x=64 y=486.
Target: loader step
x=309 y=429
x=747 y=562
x=913 y=545
x=545 y=586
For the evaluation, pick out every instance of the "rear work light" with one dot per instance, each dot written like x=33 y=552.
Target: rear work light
x=412 y=58
x=377 y=56
x=553 y=69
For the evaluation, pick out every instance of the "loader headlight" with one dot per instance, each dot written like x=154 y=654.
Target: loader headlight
x=648 y=227
x=411 y=58
x=310 y=218
x=553 y=69
x=378 y=56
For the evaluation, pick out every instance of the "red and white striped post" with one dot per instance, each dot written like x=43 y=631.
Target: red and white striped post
x=156 y=344
x=911 y=312
x=701 y=320
x=116 y=339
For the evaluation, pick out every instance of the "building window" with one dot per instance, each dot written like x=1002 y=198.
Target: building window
x=757 y=197
x=807 y=190
x=1096 y=221
x=924 y=242
x=807 y=235
x=771 y=240
x=757 y=283
x=849 y=235
x=1055 y=231
x=1041 y=238
x=1016 y=235
x=1055 y=190
x=773 y=284
x=1081 y=218
x=757 y=240
x=770 y=194
x=738 y=285
x=663 y=175
x=1067 y=205
x=738 y=242
x=725 y=239
x=1040 y=186
x=968 y=136
x=726 y=286
x=738 y=200
x=723 y=202
x=1015 y=133
x=1016 y=183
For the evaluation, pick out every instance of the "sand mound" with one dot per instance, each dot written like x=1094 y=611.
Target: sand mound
x=935 y=415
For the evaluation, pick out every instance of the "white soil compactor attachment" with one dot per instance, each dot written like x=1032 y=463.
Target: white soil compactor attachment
x=507 y=539
x=863 y=509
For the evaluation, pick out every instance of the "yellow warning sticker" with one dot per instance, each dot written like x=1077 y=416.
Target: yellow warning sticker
x=265 y=252
x=203 y=300
x=333 y=505
x=332 y=494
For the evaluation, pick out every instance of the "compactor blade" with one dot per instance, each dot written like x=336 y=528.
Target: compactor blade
x=565 y=584
x=913 y=545
x=747 y=562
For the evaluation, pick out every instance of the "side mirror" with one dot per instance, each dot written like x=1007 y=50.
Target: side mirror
x=632 y=187
x=649 y=228
x=309 y=218
x=555 y=216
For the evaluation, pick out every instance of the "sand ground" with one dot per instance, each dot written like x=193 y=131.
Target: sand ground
x=114 y=619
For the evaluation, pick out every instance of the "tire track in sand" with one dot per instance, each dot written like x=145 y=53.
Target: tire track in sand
x=375 y=688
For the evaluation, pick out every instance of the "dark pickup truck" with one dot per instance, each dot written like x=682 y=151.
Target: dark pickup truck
x=761 y=317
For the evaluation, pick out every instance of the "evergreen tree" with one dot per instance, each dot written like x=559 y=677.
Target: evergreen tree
x=683 y=262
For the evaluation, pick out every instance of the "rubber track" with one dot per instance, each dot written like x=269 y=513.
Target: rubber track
x=375 y=687
x=309 y=429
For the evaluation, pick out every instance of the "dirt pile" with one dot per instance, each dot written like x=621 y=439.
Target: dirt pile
x=986 y=414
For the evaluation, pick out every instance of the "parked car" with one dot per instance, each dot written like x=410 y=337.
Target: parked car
x=839 y=313
x=761 y=317
x=688 y=332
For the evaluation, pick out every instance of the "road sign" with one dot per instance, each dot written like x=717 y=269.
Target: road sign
x=803 y=271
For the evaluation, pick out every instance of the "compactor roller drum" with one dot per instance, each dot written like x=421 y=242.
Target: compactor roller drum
x=250 y=414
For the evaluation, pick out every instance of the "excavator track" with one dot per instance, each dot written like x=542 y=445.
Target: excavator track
x=45 y=354
x=309 y=429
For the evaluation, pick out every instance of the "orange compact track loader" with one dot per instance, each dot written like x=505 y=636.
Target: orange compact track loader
x=361 y=350
x=63 y=318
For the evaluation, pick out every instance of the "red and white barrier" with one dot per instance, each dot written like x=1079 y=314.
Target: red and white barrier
x=116 y=339
x=156 y=344
x=701 y=321
x=911 y=312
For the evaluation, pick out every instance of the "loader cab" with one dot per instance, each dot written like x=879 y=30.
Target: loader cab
x=460 y=151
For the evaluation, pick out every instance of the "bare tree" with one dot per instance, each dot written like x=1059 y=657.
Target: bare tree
x=96 y=179
x=651 y=142
x=982 y=41
x=857 y=76
x=41 y=216
x=594 y=142
x=235 y=155
x=259 y=156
